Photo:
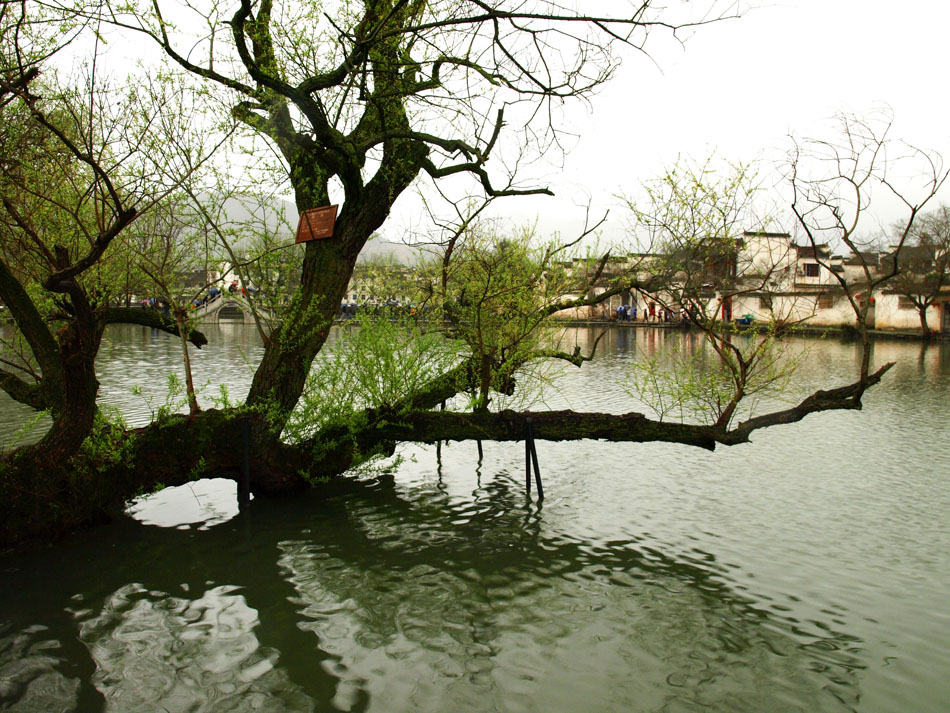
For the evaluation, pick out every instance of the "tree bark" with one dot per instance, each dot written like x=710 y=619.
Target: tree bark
x=924 y=327
x=180 y=323
x=328 y=266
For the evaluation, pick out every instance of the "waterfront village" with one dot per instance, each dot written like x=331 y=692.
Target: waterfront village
x=767 y=276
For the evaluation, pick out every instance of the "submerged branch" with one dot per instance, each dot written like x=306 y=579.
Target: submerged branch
x=151 y=318
x=433 y=426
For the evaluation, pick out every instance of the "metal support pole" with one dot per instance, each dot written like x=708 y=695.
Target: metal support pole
x=534 y=460
x=244 y=486
x=438 y=444
x=527 y=458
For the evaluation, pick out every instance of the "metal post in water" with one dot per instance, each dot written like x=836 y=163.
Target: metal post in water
x=438 y=444
x=527 y=457
x=244 y=486
x=534 y=459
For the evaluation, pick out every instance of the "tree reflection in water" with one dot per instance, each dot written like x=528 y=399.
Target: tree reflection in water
x=366 y=598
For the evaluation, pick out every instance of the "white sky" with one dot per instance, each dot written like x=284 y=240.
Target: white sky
x=740 y=87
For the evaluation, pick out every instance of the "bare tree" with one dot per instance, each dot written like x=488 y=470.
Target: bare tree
x=833 y=185
x=923 y=263
x=362 y=99
x=78 y=166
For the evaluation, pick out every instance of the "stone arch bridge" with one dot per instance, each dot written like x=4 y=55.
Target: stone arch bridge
x=231 y=307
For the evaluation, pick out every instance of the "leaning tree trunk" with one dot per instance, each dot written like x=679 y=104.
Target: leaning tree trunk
x=78 y=346
x=181 y=321
x=924 y=327
x=44 y=490
x=280 y=378
x=328 y=266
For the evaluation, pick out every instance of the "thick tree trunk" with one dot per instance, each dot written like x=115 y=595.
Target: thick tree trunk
x=924 y=327
x=95 y=484
x=78 y=346
x=280 y=378
x=328 y=266
x=73 y=423
x=41 y=493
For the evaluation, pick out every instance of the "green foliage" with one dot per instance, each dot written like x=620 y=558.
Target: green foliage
x=145 y=492
x=495 y=292
x=694 y=219
x=199 y=470
x=175 y=398
x=223 y=399
x=107 y=444
x=375 y=364
x=697 y=384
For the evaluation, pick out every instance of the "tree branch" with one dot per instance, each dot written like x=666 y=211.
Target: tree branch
x=478 y=170
x=33 y=395
x=33 y=328
x=432 y=426
x=842 y=398
x=150 y=318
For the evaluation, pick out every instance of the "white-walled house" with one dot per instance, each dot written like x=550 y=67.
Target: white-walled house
x=775 y=278
x=806 y=287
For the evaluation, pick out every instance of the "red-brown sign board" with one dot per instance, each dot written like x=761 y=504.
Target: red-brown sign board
x=316 y=223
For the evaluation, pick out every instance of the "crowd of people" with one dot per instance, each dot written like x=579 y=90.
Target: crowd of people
x=652 y=312
x=207 y=298
x=391 y=308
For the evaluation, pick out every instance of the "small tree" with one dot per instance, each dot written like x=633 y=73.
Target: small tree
x=166 y=246
x=923 y=263
x=697 y=220
x=79 y=164
x=833 y=184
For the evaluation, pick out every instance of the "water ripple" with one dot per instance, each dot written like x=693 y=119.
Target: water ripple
x=804 y=572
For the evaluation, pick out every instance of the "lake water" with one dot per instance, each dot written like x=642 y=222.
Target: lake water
x=807 y=571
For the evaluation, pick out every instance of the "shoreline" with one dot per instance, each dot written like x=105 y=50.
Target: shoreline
x=811 y=330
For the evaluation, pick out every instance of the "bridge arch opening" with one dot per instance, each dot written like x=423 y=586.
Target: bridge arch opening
x=230 y=312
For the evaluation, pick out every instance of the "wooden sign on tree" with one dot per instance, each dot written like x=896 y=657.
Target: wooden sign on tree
x=316 y=223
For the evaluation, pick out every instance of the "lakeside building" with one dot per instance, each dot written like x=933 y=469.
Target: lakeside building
x=765 y=276
x=762 y=275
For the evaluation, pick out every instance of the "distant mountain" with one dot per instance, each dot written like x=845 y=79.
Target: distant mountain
x=403 y=254
x=281 y=216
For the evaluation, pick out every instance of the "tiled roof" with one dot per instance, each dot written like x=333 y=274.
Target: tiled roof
x=812 y=251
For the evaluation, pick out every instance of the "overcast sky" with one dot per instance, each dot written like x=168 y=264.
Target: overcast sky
x=740 y=87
